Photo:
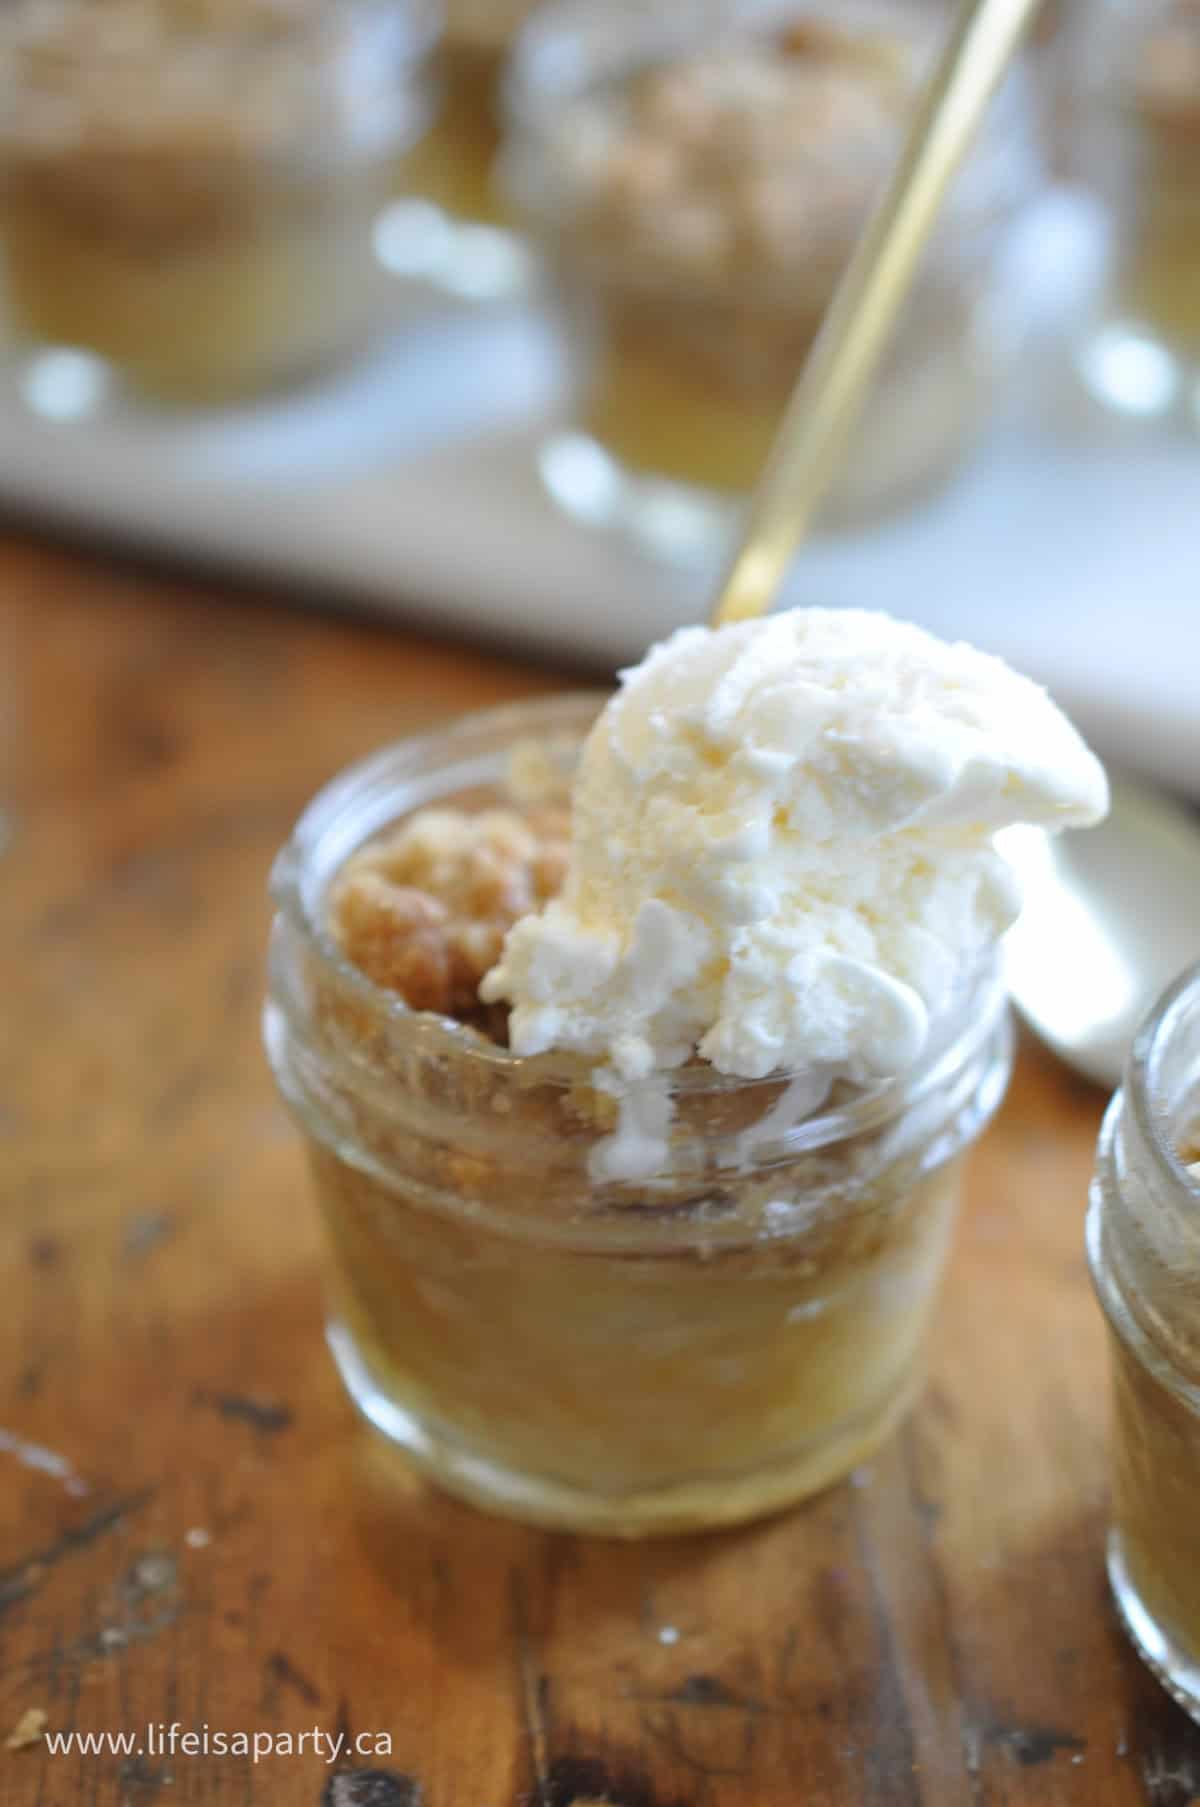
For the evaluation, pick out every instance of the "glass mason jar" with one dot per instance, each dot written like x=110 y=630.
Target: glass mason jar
x=189 y=192
x=1137 y=75
x=1144 y=1247
x=696 y=296
x=696 y=1348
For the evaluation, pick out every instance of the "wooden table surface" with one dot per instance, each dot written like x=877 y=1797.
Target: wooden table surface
x=192 y=1528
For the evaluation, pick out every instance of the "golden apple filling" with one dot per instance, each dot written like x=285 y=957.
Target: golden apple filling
x=454 y=162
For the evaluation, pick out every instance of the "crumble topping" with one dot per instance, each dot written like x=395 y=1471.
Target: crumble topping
x=765 y=153
x=190 y=76
x=1168 y=78
x=156 y=128
x=423 y=909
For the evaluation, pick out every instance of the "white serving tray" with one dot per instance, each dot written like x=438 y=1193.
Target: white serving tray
x=409 y=486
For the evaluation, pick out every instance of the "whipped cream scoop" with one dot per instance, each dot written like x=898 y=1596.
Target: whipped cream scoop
x=782 y=850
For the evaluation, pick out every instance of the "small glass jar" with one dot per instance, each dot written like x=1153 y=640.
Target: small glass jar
x=696 y=1348
x=698 y=179
x=188 y=188
x=1137 y=73
x=1144 y=1247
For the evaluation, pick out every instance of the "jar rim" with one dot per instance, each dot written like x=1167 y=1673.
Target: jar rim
x=550 y=63
x=1144 y=1088
x=426 y=1035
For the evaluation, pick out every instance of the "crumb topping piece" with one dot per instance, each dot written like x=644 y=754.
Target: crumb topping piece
x=766 y=152
x=423 y=910
x=1168 y=77
x=199 y=77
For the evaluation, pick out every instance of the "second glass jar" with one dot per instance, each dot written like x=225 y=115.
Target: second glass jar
x=698 y=179
x=1144 y=1247
x=188 y=191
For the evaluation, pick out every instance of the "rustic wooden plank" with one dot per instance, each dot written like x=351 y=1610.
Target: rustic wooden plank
x=209 y=1538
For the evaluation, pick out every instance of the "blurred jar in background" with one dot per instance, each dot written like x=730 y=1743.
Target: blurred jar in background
x=1139 y=62
x=699 y=190
x=188 y=187
x=1143 y=1239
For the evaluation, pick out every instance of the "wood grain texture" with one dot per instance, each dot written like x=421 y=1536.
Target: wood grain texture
x=210 y=1540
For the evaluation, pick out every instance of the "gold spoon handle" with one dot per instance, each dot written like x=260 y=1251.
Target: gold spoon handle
x=809 y=447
